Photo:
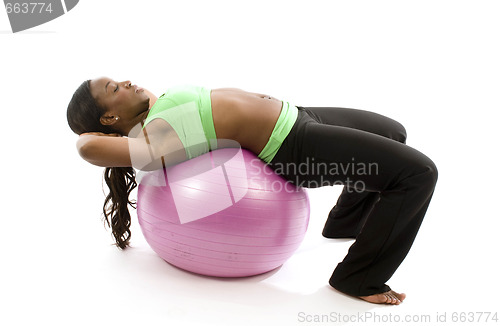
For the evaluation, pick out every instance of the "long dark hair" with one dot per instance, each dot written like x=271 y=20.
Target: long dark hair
x=84 y=116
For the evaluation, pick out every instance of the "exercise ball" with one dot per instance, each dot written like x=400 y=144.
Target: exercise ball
x=224 y=213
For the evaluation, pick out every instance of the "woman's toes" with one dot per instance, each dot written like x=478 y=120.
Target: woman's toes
x=389 y=297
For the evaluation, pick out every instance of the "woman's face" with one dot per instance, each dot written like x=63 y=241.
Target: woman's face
x=123 y=102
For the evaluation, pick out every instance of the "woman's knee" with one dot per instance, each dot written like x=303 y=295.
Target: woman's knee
x=418 y=171
x=428 y=172
x=398 y=132
x=433 y=172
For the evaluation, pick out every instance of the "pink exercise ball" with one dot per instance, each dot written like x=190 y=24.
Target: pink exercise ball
x=224 y=213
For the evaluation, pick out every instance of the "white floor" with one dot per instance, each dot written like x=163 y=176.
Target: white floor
x=431 y=65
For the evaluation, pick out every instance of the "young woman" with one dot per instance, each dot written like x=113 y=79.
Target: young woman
x=387 y=184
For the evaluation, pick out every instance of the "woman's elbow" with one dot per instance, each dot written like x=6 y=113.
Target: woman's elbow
x=87 y=151
x=83 y=148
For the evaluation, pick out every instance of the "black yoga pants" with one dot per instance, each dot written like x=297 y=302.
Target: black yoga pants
x=387 y=188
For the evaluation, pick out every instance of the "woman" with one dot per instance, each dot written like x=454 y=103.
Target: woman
x=387 y=184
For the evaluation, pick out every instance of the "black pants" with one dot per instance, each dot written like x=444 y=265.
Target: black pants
x=387 y=188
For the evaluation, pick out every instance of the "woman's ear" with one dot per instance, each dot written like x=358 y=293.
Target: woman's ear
x=109 y=119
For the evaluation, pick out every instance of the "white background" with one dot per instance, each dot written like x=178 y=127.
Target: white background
x=432 y=65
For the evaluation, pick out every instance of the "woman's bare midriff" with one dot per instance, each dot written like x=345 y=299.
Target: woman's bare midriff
x=248 y=118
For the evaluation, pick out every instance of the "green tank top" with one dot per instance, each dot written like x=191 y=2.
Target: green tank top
x=188 y=110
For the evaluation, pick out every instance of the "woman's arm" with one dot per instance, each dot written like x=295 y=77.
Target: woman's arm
x=104 y=150
x=157 y=146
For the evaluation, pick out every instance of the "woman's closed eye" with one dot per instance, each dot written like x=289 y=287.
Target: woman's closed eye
x=116 y=89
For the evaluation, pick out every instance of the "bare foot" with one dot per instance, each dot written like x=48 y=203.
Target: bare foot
x=389 y=297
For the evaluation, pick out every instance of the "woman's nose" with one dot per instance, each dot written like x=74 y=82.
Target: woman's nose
x=127 y=83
